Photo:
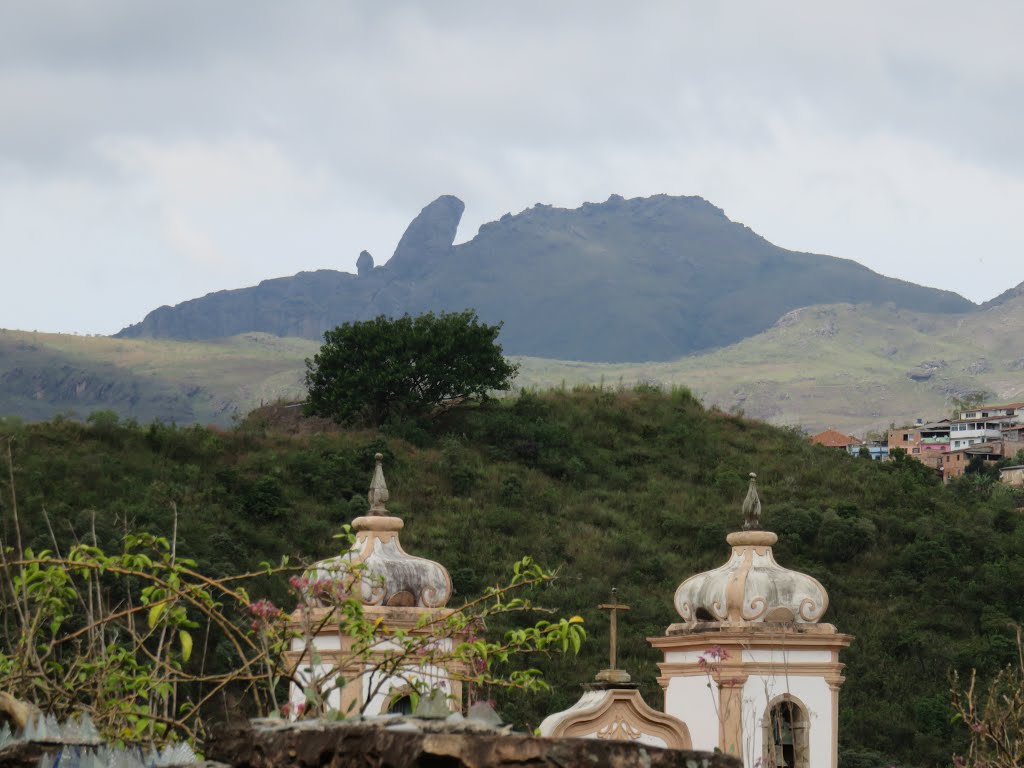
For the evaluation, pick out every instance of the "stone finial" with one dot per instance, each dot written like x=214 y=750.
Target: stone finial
x=751 y=588
x=387 y=575
x=752 y=507
x=378 y=494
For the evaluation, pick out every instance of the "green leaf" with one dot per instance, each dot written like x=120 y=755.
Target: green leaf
x=186 y=645
x=154 y=614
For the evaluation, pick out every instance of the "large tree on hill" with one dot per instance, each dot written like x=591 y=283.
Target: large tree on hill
x=378 y=369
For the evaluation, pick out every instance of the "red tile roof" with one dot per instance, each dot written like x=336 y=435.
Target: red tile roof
x=834 y=439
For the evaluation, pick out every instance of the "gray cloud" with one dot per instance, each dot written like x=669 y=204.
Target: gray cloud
x=152 y=152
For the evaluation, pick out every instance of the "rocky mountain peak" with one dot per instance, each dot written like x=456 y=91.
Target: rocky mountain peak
x=364 y=264
x=428 y=238
x=629 y=279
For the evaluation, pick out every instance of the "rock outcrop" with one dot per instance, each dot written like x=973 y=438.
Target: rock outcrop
x=364 y=264
x=429 y=238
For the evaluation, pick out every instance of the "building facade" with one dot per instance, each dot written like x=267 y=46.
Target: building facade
x=1012 y=476
x=833 y=438
x=1012 y=412
x=925 y=442
x=971 y=431
x=956 y=462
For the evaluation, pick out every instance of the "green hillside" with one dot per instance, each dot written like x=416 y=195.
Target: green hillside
x=43 y=374
x=632 y=489
x=852 y=367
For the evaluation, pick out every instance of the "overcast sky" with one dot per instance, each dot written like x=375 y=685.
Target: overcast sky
x=152 y=152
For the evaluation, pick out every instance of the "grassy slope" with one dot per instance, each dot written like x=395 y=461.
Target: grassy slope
x=843 y=366
x=633 y=490
x=147 y=378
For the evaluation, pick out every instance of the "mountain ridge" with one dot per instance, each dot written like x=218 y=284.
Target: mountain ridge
x=650 y=278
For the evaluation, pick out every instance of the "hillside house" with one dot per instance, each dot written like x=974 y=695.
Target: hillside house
x=833 y=438
x=877 y=450
x=1012 y=412
x=1015 y=435
x=1012 y=476
x=972 y=431
x=955 y=463
x=925 y=442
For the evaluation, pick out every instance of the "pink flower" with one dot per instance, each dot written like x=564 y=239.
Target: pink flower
x=715 y=654
x=718 y=653
x=264 y=610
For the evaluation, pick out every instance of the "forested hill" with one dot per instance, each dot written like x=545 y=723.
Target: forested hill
x=625 y=280
x=632 y=489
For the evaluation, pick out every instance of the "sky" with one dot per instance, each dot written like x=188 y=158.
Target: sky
x=154 y=152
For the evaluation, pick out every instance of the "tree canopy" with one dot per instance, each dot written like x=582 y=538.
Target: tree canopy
x=377 y=369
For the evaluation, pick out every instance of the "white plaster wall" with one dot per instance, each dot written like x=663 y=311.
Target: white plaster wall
x=433 y=677
x=787 y=656
x=296 y=694
x=684 y=657
x=812 y=692
x=689 y=699
x=325 y=642
x=692 y=701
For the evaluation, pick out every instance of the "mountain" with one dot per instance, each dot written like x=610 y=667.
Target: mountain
x=1005 y=296
x=642 y=279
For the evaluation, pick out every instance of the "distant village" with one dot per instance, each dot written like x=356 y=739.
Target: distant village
x=981 y=436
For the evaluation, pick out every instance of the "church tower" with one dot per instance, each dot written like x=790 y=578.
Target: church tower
x=401 y=596
x=750 y=669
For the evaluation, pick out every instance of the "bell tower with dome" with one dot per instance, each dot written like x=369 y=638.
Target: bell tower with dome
x=398 y=593
x=750 y=668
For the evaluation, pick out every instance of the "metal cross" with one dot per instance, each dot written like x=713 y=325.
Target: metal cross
x=613 y=608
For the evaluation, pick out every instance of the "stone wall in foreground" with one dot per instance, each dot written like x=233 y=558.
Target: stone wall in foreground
x=406 y=742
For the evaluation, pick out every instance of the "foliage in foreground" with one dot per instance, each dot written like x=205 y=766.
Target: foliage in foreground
x=112 y=636
x=993 y=714
x=629 y=489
